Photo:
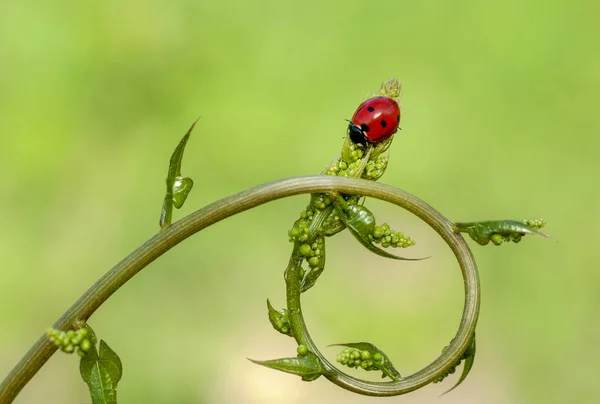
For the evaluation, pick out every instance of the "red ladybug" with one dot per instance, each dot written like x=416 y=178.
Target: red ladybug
x=375 y=120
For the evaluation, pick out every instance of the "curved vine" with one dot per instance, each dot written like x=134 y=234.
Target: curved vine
x=334 y=206
x=175 y=233
x=453 y=352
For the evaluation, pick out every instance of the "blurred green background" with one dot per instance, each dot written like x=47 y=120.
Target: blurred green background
x=500 y=120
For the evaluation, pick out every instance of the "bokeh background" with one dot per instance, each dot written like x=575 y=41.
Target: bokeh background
x=500 y=120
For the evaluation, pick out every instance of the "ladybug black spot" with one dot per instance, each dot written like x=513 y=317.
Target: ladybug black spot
x=370 y=109
x=383 y=123
x=398 y=118
x=364 y=127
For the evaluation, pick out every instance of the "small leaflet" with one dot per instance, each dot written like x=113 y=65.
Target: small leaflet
x=178 y=187
x=498 y=231
x=101 y=370
x=307 y=366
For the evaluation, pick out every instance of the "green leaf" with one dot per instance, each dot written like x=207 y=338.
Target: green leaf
x=279 y=319
x=181 y=189
x=368 y=357
x=307 y=366
x=469 y=358
x=361 y=223
x=102 y=372
x=332 y=227
x=496 y=230
x=178 y=187
x=91 y=334
x=311 y=276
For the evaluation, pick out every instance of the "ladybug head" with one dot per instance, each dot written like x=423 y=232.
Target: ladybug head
x=357 y=135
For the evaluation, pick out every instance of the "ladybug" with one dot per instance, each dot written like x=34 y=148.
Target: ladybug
x=374 y=121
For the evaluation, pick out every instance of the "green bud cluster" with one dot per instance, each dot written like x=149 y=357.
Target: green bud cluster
x=320 y=201
x=375 y=168
x=299 y=231
x=282 y=322
x=391 y=88
x=336 y=166
x=356 y=358
x=351 y=152
x=388 y=238
x=312 y=253
x=352 y=199
x=350 y=162
x=499 y=238
x=71 y=341
x=469 y=353
x=450 y=371
x=344 y=169
x=535 y=223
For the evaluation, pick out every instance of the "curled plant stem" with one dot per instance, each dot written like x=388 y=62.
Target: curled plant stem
x=468 y=322
x=172 y=235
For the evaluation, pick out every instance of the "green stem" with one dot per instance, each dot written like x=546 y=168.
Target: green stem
x=172 y=235
x=468 y=322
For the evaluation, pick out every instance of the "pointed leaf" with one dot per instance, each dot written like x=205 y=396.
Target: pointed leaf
x=102 y=372
x=279 y=319
x=91 y=334
x=469 y=358
x=495 y=230
x=309 y=280
x=173 y=174
x=307 y=366
x=375 y=360
x=360 y=221
x=382 y=253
